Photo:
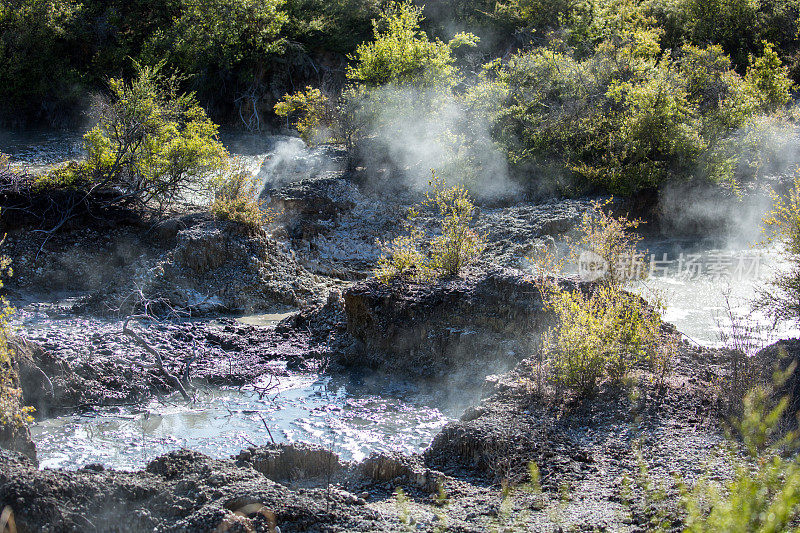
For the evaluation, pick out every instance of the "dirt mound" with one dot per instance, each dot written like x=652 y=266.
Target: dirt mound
x=485 y=316
x=223 y=266
x=180 y=491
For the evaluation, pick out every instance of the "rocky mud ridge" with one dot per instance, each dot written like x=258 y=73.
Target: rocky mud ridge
x=481 y=327
x=584 y=452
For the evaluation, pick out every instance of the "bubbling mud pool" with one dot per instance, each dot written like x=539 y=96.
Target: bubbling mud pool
x=350 y=417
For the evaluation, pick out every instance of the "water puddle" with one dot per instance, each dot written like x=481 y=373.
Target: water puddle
x=266 y=319
x=695 y=279
x=352 y=417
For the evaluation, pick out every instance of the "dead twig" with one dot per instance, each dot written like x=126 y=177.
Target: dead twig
x=157 y=355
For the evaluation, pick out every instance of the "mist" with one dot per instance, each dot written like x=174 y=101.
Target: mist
x=414 y=131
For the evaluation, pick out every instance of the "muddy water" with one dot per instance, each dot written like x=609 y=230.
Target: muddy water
x=702 y=282
x=351 y=417
x=354 y=415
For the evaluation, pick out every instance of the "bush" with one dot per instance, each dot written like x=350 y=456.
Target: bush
x=310 y=109
x=611 y=242
x=781 y=296
x=601 y=331
x=764 y=494
x=425 y=257
x=235 y=198
x=11 y=411
x=599 y=335
x=151 y=144
x=629 y=116
x=769 y=79
x=403 y=54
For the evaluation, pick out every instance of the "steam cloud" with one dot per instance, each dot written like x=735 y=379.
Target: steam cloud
x=414 y=131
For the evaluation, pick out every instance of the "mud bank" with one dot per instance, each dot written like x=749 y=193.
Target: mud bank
x=584 y=451
x=192 y=263
x=88 y=362
x=486 y=319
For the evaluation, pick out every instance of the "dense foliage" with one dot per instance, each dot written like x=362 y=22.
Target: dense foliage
x=239 y=56
x=151 y=144
x=616 y=95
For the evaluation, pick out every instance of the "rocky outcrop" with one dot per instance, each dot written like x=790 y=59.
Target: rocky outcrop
x=224 y=266
x=482 y=322
x=401 y=470
x=180 y=491
x=486 y=316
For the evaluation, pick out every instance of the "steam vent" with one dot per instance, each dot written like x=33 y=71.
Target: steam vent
x=380 y=266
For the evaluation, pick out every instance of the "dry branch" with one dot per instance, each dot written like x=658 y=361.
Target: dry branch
x=157 y=355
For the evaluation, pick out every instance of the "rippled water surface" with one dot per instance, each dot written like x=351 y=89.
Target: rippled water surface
x=699 y=281
x=352 y=418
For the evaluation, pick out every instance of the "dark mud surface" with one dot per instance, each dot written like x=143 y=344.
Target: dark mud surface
x=75 y=356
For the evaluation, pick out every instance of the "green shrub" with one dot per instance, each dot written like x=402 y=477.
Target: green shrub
x=11 y=411
x=401 y=53
x=629 y=116
x=397 y=76
x=599 y=335
x=764 y=494
x=310 y=109
x=769 y=79
x=151 y=144
x=424 y=256
x=610 y=240
x=601 y=331
x=235 y=198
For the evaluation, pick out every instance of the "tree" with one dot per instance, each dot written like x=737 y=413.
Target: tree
x=769 y=79
x=403 y=54
x=37 y=44
x=151 y=144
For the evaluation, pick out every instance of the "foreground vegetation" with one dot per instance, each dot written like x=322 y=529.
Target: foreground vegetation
x=422 y=256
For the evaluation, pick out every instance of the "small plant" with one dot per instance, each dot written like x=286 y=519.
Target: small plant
x=743 y=337
x=506 y=520
x=236 y=198
x=764 y=493
x=601 y=331
x=599 y=335
x=607 y=249
x=444 y=255
x=12 y=414
x=403 y=514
